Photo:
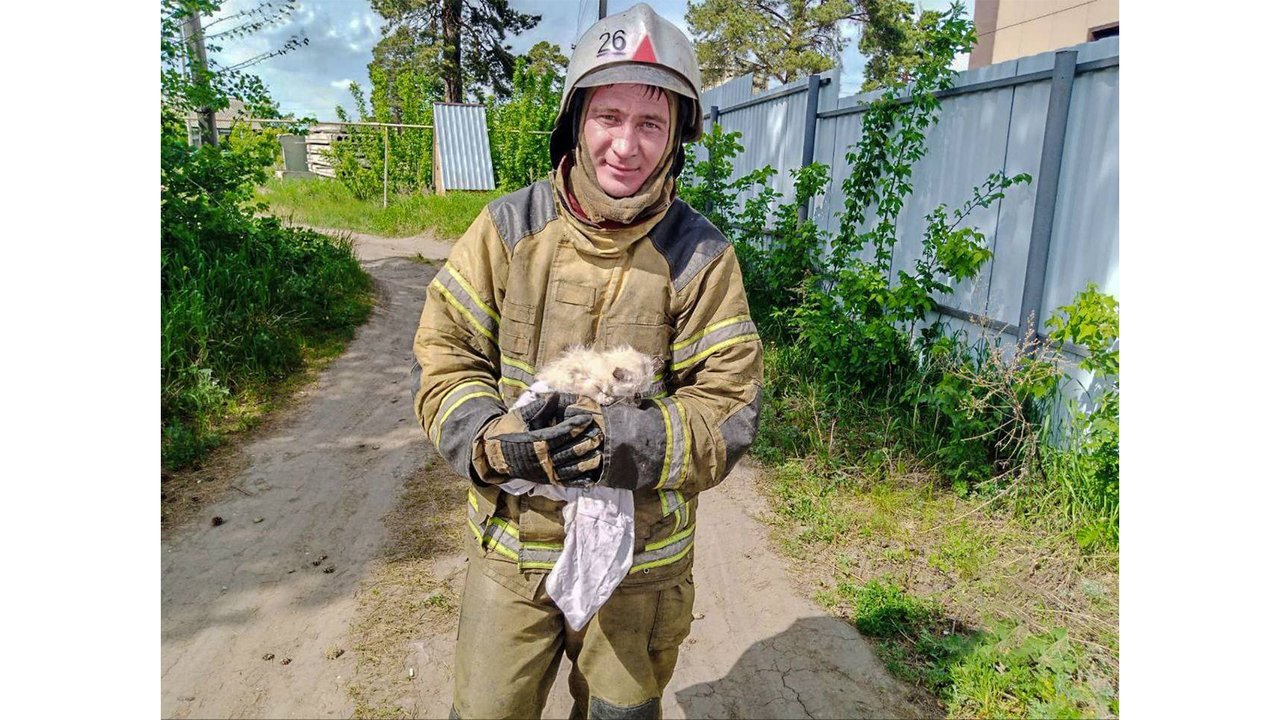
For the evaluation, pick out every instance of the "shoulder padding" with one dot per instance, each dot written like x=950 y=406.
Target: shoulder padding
x=523 y=213
x=688 y=241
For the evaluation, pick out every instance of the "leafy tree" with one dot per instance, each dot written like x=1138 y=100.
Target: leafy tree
x=781 y=39
x=405 y=79
x=185 y=86
x=893 y=40
x=465 y=39
x=405 y=97
x=520 y=126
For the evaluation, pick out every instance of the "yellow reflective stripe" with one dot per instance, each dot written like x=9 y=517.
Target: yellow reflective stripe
x=512 y=381
x=543 y=546
x=516 y=363
x=537 y=565
x=675 y=537
x=715 y=348
x=666 y=456
x=471 y=498
x=708 y=329
x=471 y=291
x=449 y=298
x=495 y=545
x=439 y=424
x=510 y=529
x=464 y=398
x=688 y=445
x=663 y=561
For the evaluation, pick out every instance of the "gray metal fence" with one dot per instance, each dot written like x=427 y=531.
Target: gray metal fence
x=1049 y=238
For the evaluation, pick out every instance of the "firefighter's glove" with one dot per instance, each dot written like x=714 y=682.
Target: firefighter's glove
x=525 y=444
x=634 y=441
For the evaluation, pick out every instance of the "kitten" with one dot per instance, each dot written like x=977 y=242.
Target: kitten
x=619 y=374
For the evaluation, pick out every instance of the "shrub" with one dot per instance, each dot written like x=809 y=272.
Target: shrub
x=519 y=126
x=240 y=295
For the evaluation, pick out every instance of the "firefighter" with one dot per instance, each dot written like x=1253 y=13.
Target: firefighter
x=601 y=254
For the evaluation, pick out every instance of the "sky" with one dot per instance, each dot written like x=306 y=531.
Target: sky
x=312 y=80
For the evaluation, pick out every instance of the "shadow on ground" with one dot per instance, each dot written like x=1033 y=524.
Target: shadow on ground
x=812 y=669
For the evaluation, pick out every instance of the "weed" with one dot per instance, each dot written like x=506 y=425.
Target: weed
x=1007 y=671
x=883 y=609
x=847 y=484
x=1015 y=673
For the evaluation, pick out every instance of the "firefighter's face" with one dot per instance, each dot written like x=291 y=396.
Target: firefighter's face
x=626 y=130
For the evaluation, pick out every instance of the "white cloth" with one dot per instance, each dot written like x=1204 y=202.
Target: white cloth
x=599 y=536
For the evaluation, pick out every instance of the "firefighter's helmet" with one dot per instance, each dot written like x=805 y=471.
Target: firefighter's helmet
x=633 y=46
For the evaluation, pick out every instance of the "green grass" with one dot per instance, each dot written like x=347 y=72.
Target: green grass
x=964 y=550
x=988 y=603
x=328 y=204
x=1005 y=671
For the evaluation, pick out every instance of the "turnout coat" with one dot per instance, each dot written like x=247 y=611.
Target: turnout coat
x=527 y=280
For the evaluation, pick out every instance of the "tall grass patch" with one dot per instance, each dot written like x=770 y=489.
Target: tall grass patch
x=330 y=204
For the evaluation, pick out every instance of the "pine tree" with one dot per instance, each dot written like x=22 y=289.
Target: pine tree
x=892 y=40
x=465 y=39
x=780 y=39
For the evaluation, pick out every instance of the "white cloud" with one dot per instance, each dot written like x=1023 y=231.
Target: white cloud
x=312 y=79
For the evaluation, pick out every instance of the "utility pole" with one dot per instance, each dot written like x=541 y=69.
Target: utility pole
x=604 y=9
x=200 y=73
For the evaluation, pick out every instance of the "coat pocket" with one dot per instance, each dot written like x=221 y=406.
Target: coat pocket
x=541 y=520
x=517 y=336
x=517 y=329
x=648 y=333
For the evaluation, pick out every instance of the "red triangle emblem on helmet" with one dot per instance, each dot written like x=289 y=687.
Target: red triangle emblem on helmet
x=644 y=53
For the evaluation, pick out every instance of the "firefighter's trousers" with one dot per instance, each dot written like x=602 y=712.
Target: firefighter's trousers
x=510 y=644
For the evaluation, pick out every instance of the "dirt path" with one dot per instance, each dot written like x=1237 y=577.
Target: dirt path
x=318 y=485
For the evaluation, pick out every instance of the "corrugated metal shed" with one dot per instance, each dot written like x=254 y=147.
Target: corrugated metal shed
x=462 y=156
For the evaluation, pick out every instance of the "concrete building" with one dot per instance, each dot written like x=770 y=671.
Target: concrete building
x=1009 y=29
